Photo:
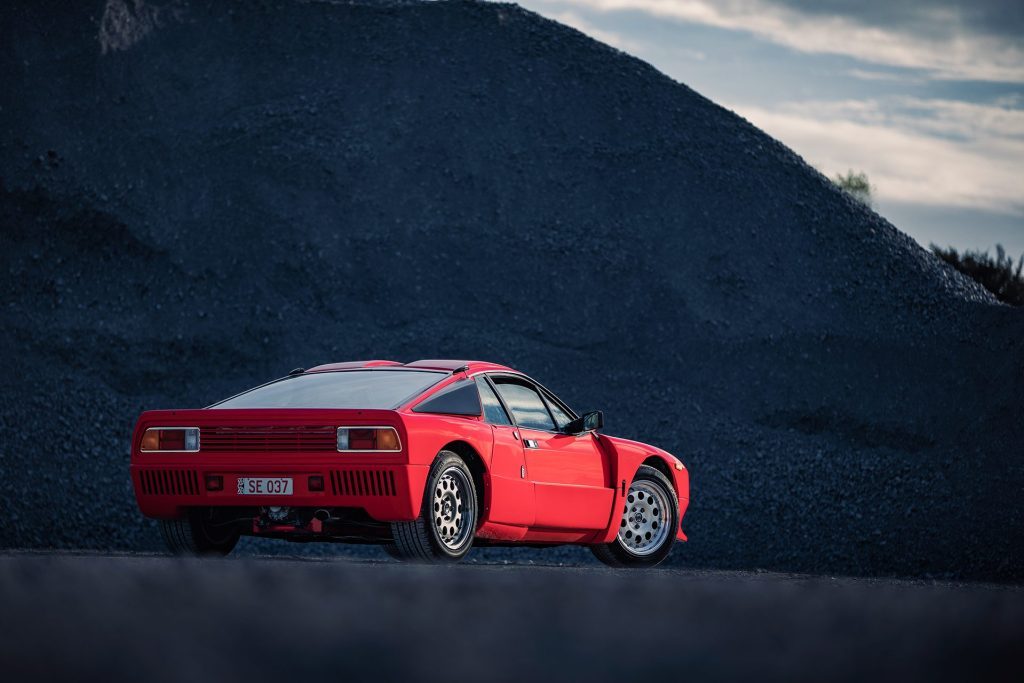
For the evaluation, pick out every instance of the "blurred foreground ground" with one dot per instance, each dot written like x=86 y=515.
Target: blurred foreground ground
x=153 y=618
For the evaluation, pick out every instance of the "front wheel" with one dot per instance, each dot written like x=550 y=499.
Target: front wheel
x=444 y=530
x=196 y=534
x=648 y=525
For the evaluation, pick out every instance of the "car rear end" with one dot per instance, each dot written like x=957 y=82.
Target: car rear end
x=280 y=472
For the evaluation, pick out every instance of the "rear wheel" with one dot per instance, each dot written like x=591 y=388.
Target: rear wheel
x=444 y=530
x=648 y=524
x=197 y=535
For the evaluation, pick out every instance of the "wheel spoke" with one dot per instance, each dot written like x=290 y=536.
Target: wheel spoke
x=644 y=527
x=453 y=513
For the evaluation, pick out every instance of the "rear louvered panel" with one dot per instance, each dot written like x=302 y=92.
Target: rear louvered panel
x=169 y=482
x=268 y=439
x=375 y=483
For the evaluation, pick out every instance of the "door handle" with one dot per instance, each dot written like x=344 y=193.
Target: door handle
x=530 y=443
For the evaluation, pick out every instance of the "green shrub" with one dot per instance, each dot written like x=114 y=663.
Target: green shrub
x=997 y=275
x=856 y=185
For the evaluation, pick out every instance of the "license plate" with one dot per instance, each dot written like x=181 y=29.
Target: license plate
x=264 y=486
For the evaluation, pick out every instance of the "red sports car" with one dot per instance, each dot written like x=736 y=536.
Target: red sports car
x=426 y=458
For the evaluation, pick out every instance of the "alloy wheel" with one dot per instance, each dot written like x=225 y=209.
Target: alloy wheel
x=645 y=519
x=454 y=517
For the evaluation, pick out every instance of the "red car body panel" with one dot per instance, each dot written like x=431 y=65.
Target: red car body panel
x=569 y=489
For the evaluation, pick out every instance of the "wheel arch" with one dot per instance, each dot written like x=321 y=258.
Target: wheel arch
x=476 y=466
x=679 y=479
x=660 y=464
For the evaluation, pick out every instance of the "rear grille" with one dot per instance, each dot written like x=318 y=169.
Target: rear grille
x=363 y=482
x=169 y=482
x=268 y=439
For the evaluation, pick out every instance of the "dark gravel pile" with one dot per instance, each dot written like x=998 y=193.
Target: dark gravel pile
x=195 y=197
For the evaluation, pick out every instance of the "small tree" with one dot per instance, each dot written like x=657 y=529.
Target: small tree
x=997 y=275
x=856 y=185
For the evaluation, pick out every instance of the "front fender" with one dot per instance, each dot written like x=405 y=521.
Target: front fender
x=626 y=457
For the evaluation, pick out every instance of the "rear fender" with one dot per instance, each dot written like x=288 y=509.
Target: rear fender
x=429 y=434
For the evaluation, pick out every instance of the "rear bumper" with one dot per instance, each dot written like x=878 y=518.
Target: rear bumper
x=387 y=492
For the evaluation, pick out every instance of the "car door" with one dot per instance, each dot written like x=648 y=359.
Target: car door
x=570 y=473
x=512 y=495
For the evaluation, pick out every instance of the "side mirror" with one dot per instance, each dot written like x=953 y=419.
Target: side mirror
x=587 y=423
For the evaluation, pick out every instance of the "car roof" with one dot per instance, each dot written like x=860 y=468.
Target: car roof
x=448 y=365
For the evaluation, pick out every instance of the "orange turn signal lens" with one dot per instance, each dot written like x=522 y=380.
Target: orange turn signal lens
x=368 y=439
x=171 y=439
x=151 y=440
x=387 y=440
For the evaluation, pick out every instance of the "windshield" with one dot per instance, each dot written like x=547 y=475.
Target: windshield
x=370 y=389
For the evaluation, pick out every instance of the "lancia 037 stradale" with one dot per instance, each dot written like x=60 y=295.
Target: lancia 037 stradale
x=425 y=458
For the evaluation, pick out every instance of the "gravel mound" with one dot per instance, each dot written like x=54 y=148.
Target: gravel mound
x=195 y=197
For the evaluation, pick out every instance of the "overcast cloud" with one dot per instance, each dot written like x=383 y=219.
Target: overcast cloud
x=938 y=18
x=934 y=36
x=927 y=152
x=926 y=97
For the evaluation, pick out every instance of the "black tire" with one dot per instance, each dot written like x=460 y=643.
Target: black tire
x=193 y=535
x=619 y=552
x=434 y=537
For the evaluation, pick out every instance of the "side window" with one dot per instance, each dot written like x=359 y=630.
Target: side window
x=527 y=406
x=561 y=418
x=493 y=412
x=460 y=398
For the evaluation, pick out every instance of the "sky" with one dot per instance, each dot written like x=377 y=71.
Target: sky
x=925 y=96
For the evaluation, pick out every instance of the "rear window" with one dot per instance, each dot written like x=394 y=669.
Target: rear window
x=371 y=389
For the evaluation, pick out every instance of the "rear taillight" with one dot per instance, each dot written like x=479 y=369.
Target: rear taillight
x=381 y=439
x=181 y=439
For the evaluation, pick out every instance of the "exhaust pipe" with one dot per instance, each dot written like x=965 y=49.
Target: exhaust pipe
x=322 y=515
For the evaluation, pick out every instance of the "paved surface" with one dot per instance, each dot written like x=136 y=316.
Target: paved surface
x=154 y=618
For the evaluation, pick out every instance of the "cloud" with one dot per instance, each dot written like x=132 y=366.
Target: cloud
x=889 y=76
x=949 y=43
x=931 y=17
x=919 y=151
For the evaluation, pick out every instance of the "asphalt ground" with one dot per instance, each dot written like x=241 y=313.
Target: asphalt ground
x=154 y=618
